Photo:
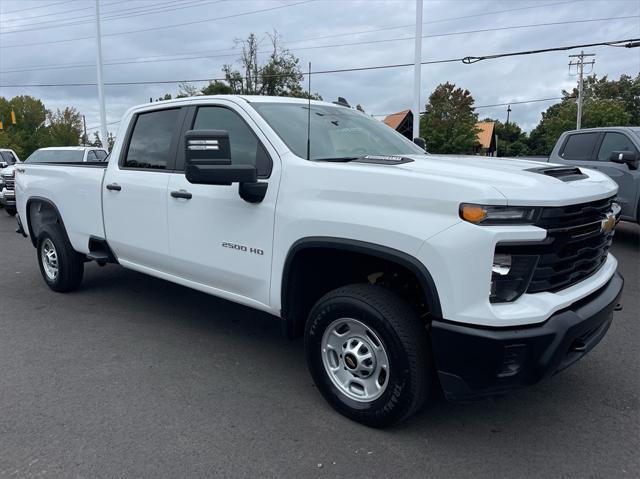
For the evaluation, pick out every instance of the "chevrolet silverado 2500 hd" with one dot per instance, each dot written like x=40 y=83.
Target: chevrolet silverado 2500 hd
x=403 y=271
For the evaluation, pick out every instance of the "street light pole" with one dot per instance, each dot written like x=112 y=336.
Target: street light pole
x=417 y=70
x=103 y=114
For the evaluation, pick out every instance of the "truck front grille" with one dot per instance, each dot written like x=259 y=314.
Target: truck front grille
x=576 y=245
x=9 y=182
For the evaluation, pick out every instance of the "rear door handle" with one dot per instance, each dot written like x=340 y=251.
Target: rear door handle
x=181 y=194
x=114 y=187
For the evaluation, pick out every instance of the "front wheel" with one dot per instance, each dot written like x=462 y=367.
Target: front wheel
x=11 y=210
x=61 y=266
x=368 y=353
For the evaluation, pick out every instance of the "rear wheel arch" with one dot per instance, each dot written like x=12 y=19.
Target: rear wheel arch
x=41 y=212
x=302 y=285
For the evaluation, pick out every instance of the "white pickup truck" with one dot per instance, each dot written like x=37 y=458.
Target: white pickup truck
x=405 y=272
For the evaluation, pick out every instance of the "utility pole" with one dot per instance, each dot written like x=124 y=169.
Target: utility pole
x=84 y=129
x=579 y=64
x=417 y=70
x=508 y=111
x=103 y=114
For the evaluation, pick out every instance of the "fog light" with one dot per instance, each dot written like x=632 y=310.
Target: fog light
x=501 y=264
x=510 y=276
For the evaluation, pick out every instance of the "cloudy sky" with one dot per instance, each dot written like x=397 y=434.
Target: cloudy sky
x=52 y=42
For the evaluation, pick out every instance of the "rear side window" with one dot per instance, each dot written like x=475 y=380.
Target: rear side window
x=614 y=142
x=100 y=154
x=150 y=143
x=579 y=146
x=245 y=147
x=91 y=156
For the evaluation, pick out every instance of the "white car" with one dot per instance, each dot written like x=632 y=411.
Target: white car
x=8 y=158
x=61 y=155
x=68 y=154
x=404 y=271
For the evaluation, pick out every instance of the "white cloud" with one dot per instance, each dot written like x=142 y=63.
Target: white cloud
x=379 y=91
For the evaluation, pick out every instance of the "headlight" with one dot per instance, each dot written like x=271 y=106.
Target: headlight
x=510 y=276
x=498 y=215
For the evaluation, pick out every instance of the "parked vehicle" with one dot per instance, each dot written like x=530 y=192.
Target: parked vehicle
x=612 y=150
x=68 y=154
x=405 y=272
x=63 y=154
x=8 y=158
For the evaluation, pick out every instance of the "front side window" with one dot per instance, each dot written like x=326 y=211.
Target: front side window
x=579 y=146
x=100 y=154
x=245 y=147
x=150 y=144
x=614 y=142
x=335 y=131
x=56 y=156
x=91 y=156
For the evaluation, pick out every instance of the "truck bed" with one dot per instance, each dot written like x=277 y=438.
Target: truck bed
x=76 y=191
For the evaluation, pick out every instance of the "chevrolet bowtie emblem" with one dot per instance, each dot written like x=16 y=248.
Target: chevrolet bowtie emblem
x=608 y=223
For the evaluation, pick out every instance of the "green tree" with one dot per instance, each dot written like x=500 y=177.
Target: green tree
x=279 y=75
x=449 y=124
x=65 y=127
x=97 y=142
x=626 y=90
x=110 y=141
x=512 y=141
x=30 y=131
x=562 y=117
x=217 y=87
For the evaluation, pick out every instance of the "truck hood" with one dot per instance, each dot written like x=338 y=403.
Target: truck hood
x=514 y=178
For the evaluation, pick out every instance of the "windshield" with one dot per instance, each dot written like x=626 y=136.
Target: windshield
x=336 y=132
x=56 y=156
x=7 y=157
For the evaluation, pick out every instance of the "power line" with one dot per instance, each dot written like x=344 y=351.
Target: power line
x=522 y=102
x=629 y=43
x=184 y=56
x=35 y=8
x=115 y=15
x=175 y=25
x=62 y=12
x=335 y=35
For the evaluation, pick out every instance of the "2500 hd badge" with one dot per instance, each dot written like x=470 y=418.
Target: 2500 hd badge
x=243 y=248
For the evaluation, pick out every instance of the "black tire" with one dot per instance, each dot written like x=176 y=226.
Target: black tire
x=70 y=264
x=11 y=210
x=404 y=339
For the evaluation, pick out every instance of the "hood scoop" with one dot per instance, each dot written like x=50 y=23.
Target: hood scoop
x=563 y=173
x=383 y=160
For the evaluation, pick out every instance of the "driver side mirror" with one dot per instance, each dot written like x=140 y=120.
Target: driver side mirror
x=3 y=164
x=208 y=162
x=421 y=142
x=625 y=157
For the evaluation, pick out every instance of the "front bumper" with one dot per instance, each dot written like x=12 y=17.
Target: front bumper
x=479 y=361
x=7 y=197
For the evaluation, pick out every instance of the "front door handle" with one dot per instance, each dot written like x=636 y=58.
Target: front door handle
x=181 y=194
x=114 y=187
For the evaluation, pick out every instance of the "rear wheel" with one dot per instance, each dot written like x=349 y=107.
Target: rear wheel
x=61 y=266
x=368 y=353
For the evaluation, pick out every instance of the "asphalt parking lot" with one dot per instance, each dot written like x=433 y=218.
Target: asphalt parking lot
x=132 y=376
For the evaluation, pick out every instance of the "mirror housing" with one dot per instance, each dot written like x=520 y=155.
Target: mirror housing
x=421 y=142
x=3 y=164
x=625 y=157
x=208 y=160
